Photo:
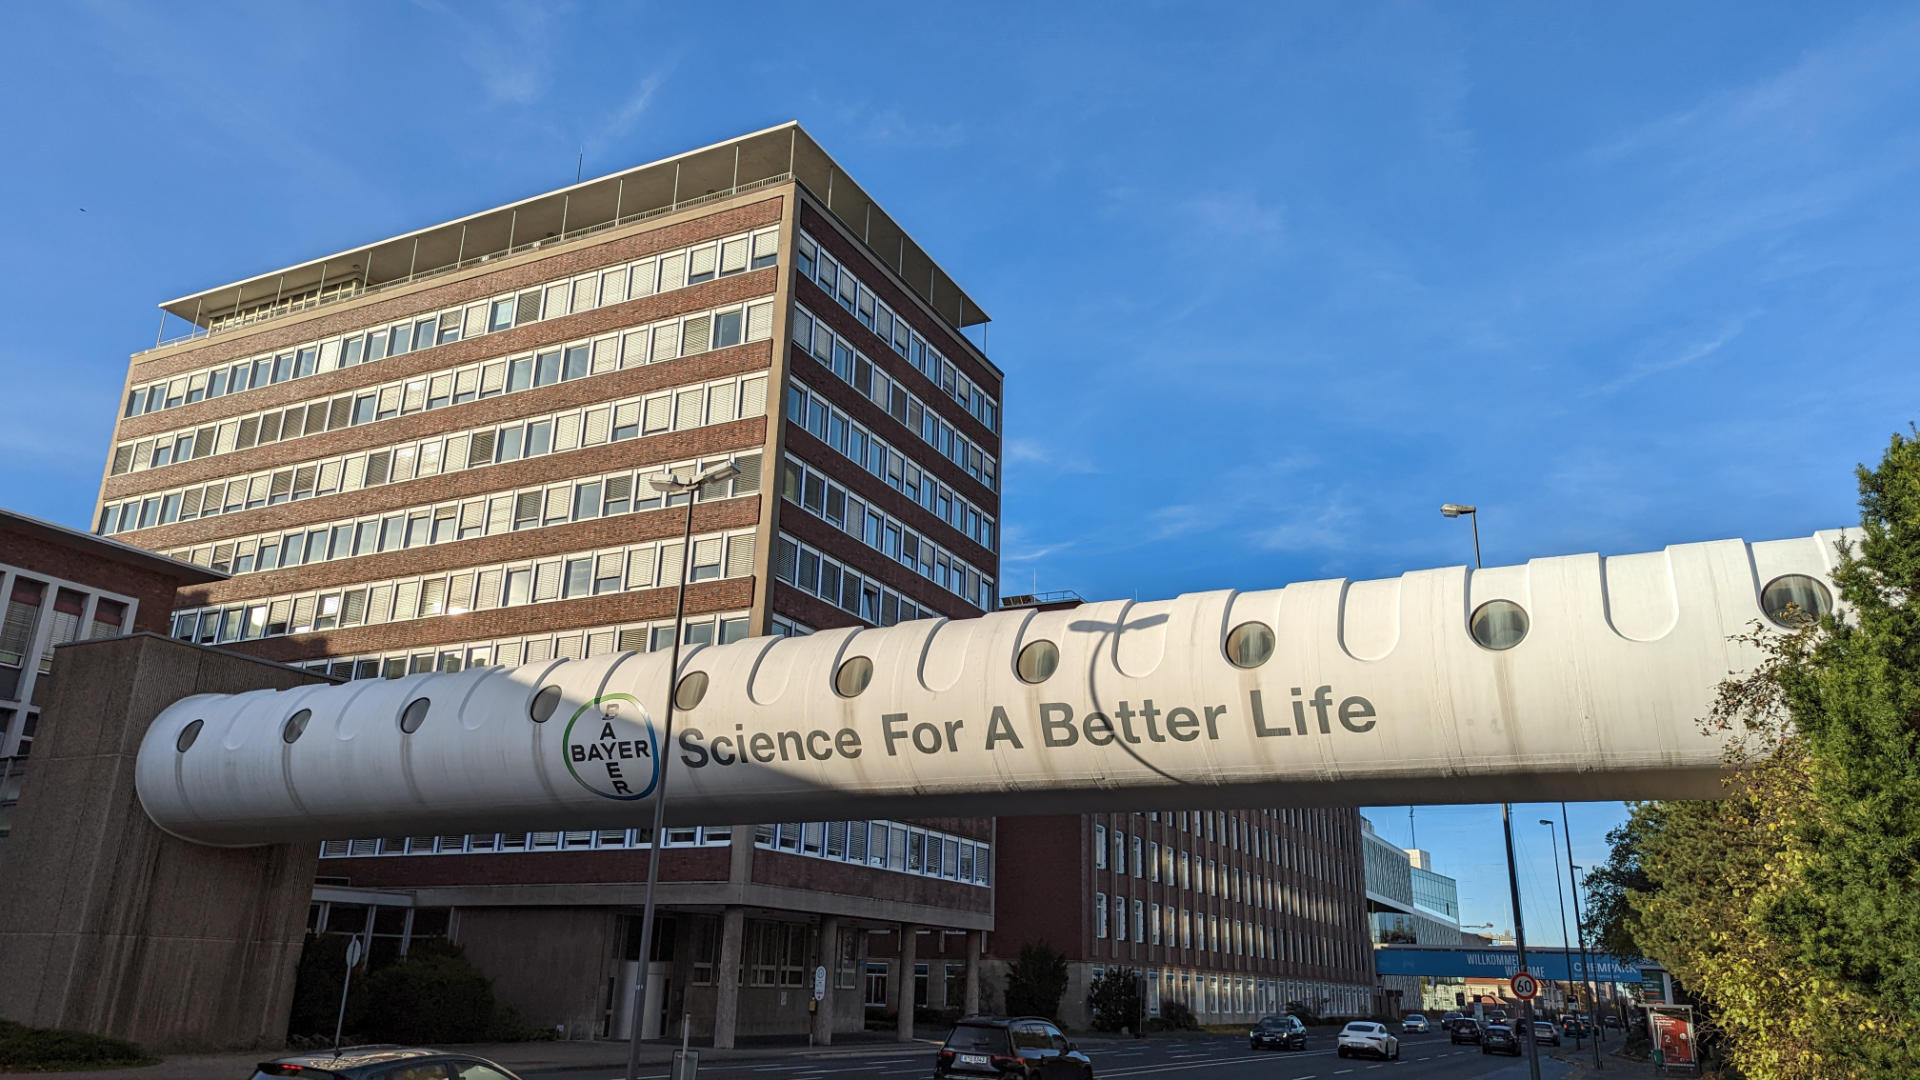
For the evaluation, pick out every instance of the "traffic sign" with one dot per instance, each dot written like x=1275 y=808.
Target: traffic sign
x=353 y=951
x=1524 y=986
x=820 y=983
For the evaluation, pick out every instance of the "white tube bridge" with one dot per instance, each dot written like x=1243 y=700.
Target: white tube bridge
x=1577 y=677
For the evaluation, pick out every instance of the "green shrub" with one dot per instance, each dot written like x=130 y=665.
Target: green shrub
x=1036 y=981
x=433 y=995
x=1114 y=1000
x=25 y=1049
x=1175 y=1016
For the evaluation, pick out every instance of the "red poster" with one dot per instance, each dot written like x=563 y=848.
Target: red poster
x=1672 y=1036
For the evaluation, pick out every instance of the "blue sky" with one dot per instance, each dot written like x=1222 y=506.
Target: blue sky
x=1270 y=282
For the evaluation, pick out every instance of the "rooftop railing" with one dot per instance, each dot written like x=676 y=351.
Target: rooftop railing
x=322 y=296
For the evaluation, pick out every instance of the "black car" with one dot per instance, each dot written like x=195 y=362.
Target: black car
x=383 y=1063
x=1499 y=1039
x=1282 y=1032
x=1027 y=1047
x=1464 y=1030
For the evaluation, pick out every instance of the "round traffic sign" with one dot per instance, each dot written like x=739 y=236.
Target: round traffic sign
x=1524 y=986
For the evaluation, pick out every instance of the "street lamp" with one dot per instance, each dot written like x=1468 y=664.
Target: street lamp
x=689 y=484
x=1586 y=969
x=1454 y=510
x=1552 y=844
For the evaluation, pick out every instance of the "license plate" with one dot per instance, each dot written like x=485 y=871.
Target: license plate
x=973 y=1059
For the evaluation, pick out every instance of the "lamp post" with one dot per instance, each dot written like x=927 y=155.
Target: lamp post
x=1586 y=969
x=1565 y=938
x=672 y=484
x=1472 y=513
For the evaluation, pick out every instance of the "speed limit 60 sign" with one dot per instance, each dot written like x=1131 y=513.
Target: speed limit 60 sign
x=1524 y=986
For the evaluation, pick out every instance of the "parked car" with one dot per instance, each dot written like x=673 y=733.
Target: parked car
x=1499 y=1039
x=1366 y=1037
x=1610 y=1020
x=1278 y=1032
x=383 y=1062
x=1464 y=1030
x=1414 y=1024
x=1545 y=1032
x=1023 y=1047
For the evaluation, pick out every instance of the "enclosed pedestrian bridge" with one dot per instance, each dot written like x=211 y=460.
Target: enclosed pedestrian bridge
x=1578 y=677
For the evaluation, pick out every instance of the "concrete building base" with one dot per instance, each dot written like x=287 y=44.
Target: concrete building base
x=107 y=924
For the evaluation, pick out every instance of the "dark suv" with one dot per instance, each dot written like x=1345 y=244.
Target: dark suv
x=382 y=1063
x=1464 y=1029
x=1027 y=1047
x=1500 y=1039
x=1285 y=1032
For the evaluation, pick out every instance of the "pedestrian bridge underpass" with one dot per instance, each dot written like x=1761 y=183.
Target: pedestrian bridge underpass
x=1569 y=678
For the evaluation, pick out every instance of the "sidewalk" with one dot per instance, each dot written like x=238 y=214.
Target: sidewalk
x=238 y=1065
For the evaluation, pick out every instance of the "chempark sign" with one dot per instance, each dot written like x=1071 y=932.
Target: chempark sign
x=1559 y=965
x=1577 y=677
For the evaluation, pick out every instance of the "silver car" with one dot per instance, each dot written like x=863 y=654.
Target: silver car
x=1414 y=1024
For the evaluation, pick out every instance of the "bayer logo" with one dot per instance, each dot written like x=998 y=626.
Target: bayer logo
x=611 y=748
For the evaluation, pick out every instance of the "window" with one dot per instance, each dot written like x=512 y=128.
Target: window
x=1099 y=847
x=1099 y=915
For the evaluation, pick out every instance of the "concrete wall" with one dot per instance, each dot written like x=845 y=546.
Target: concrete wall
x=551 y=964
x=108 y=924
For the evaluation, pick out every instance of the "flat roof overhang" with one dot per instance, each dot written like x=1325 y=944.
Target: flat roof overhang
x=722 y=170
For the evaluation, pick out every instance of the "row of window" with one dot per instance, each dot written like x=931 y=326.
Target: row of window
x=549 y=300
x=1221 y=995
x=683 y=335
x=1153 y=924
x=702 y=404
x=584 y=499
x=884 y=845
x=567 y=577
x=813 y=490
x=1190 y=871
x=478 y=843
x=854 y=369
x=818 y=574
x=876 y=316
x=812 y=411
x=722 y=627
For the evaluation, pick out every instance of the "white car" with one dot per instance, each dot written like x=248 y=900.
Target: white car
x=1367 y=1037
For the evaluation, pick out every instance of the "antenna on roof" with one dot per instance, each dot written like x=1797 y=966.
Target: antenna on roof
x=579 y=164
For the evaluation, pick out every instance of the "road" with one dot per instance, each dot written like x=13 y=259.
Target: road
x=1218 y=1057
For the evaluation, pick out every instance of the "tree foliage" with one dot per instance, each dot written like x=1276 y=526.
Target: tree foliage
x=1792 y=907
x=1114 y=1000
x=1036 y=980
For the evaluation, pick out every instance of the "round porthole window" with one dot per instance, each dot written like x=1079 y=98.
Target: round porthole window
x=414 y=715
x=544 y=703
x=295 y=725
x=1792 y=600
x=1037 y=662
x=853 y=676
x=188 y=734
x=1499 y=624
x=1250 y=644
x=692 y=688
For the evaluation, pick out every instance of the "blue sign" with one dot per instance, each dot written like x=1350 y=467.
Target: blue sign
x=1496 y=962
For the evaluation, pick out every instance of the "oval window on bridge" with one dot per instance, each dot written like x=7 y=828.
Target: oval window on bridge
x=295 y=726
x=1250 y=644
x=414 y=715
x=853 y=676
x=188 y=734
x=693 y=687
x=544 y=702
x=1037 y=662
x=1499 y=624
x=1793 y=600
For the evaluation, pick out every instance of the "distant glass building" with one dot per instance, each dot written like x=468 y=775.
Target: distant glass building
x=1409 y=904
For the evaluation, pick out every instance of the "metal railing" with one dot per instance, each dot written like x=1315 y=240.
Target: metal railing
x=284 y=308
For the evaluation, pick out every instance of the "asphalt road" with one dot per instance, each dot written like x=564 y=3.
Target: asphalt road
x=1217 y=1057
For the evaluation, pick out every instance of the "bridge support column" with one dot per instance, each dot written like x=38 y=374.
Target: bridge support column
x=107 y=924
x=726 y=1005
x=829 y=959
x=976 y=945
x=909 y=957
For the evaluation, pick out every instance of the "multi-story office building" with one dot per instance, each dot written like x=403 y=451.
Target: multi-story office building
x=1233 y=914
x=434 y=452
x=59 y=586
x=1409 y=904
